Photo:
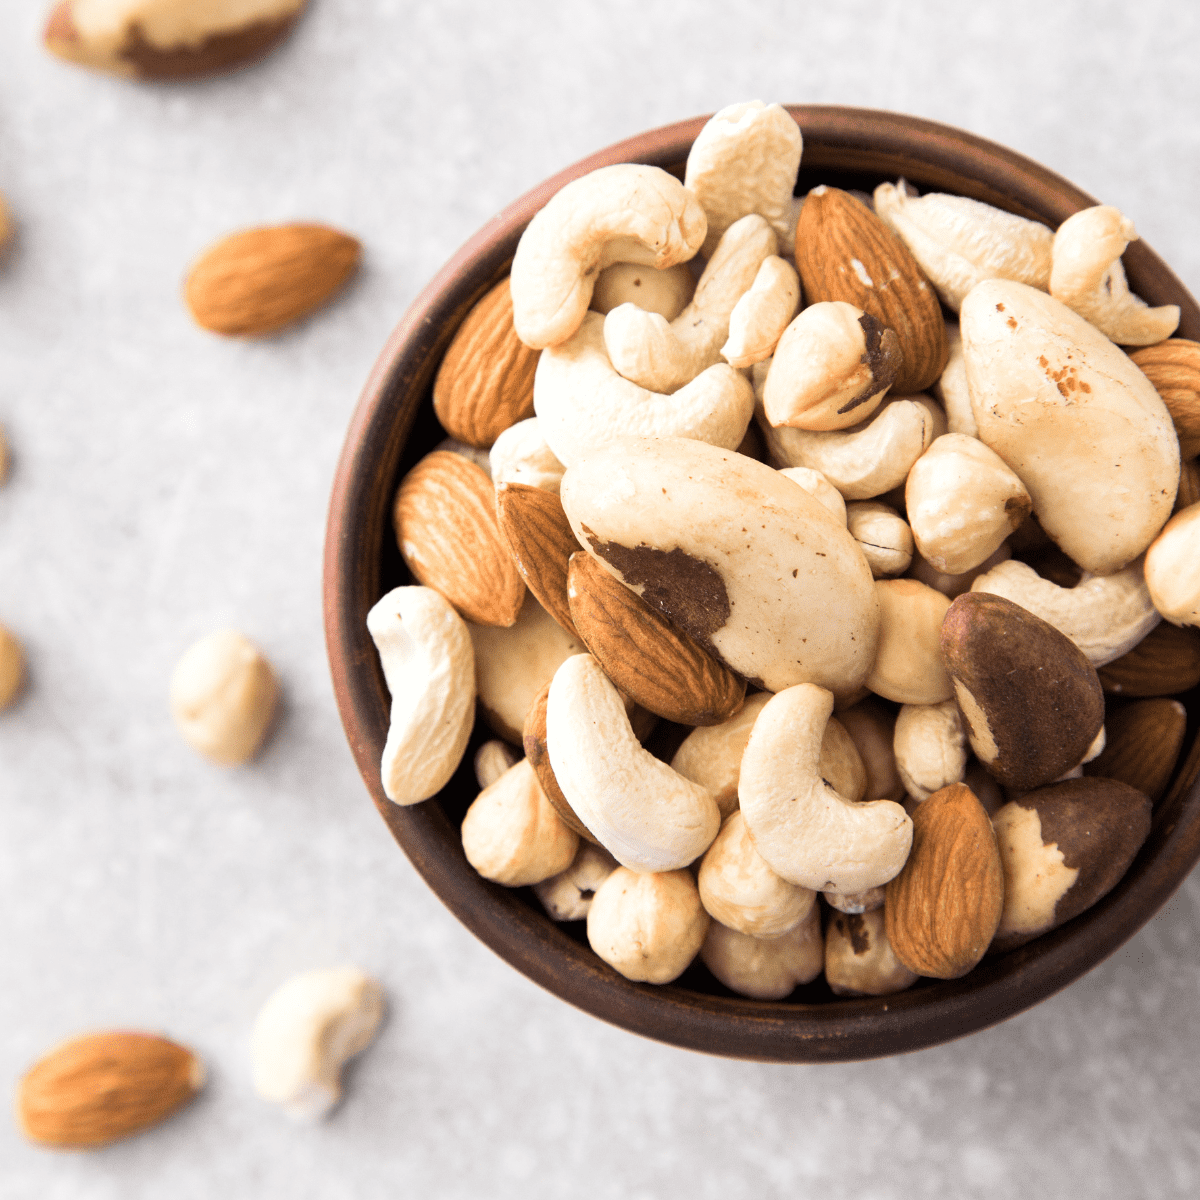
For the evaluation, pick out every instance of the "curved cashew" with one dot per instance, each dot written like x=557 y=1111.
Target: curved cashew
x=765 y=968
x=762 y=314
x=1173 y=568
x=429 y=667
x=745 y=160
x=624 y=213
x=883 y=536
x=665 y=292
x=807 y=832
x=931 y=747
x=1104 y=615
x=952 y=388
x=646 y=815
x=582 y=403
x=819 y=488
x=870 y=459
x=662 y=356
x=958 y=241
x=1089 y=277
x=568 y=895
x=306 y=1031
x=520 y=455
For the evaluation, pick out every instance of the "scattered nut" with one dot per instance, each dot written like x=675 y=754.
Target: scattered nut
x=306 y=1031
x=12 y=668
x=223 y=697
x=765 y=968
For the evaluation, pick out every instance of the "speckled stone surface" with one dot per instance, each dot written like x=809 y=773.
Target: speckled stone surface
x=166 y=482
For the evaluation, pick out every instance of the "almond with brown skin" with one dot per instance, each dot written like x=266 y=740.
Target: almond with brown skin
x=102 y=1087
x=485 y=382
x=1165 y=662
x=541 y=541
x=534 y=739
x=659 y=666
x=1173 y=367
x=942 y=909
x=186 y=39
x=257 y=281
x=445 y=521
x=1142 y=744
x=1189 y=485
x=845 y=252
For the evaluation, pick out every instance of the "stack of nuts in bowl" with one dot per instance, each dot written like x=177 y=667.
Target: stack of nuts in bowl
x=868 y=539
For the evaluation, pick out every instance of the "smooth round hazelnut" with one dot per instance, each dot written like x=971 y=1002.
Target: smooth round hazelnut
x=1173 y=568
x=859 y=959
x=765 y=968
x=908 y=666
x=882 y=535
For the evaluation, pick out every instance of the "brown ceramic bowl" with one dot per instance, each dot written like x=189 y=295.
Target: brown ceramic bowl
x=394 y=426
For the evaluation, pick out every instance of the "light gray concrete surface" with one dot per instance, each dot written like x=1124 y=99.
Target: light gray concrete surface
x=166 y=482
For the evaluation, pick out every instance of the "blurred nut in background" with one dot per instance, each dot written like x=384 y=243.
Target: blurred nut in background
x=223 y=697
x=12 y=668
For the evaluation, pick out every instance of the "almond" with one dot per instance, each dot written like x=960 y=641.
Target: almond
x=1189 y=485
x=1173 y=367
x=845 y=252
x=534 y=739
x=1142 y=744
x=485 y=382
x=943 y=908
x=257 y=281
x=102 y=1087
x=660 y=667
x=445 y=521
x=1164 y=663
x=540 y=539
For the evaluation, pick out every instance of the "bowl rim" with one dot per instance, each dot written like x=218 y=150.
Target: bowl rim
x=880 y=143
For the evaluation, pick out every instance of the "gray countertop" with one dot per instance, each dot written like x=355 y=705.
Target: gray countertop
x=167 y=482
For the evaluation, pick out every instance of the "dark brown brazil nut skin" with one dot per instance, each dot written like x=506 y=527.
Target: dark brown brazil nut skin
x=1031 y=702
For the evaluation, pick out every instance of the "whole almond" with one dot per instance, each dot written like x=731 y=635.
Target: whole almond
x=660 y=667
x=257 y=281
x=542 y=542
x=102 y=1087
x=445 y=521
x=1142 y=744
x=1164 y=663
x=943 y=908
x=485 y=382
x=1173 y=367
x=845 y=252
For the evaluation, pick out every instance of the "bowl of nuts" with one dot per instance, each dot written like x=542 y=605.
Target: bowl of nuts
x=745 y=583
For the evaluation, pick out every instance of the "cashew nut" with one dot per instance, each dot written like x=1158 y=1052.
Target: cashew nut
x=223 y=697
x=568 y=895
x=582 y=402
x=1173 y=568
x=765 y=968
x=819 y=488
x=520 y=455
x=745 y=160
x=807 y=832
x=624 y=213
x=646 y=815
x=1089 y=277
x=308 y=1028
x=931 y=747
x=908 y=667
x=958 y=241
x=662 y=356
x=883 y=536
x=12 y=668
x=665 y=292
x=429 y=667
x=762 y=314
x=1104 y=615
x=952 y=388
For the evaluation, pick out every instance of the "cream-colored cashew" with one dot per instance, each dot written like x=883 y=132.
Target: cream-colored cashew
x=871 y=726
x=931 y=747
x=663 y=356
x=1104 y=615
x=429 y=667
x=1089 y=277
x=568 y=895
x=762 y=314
x=882 y=534
x=819 y=488
x=742 y=892
x=520 y=455
x=1173 y=568
x=745 y=160
x=305 y=1033
x=854 y=903
x=831 y=368
x=859 y=959
x=765 y=968
x=513 y=663
x=12 y=668
x=223 y=697
x=665 y=292
x=648 y=927
x=492 y=760
x=952 y=388
x=582 y=402
x=624 y=213
x=962 y=502
x=512 y=834
x=958 y=241
x=955 y=585
x=808 y=833
x=908 y=665
x=868 y=459
x=645 y=814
